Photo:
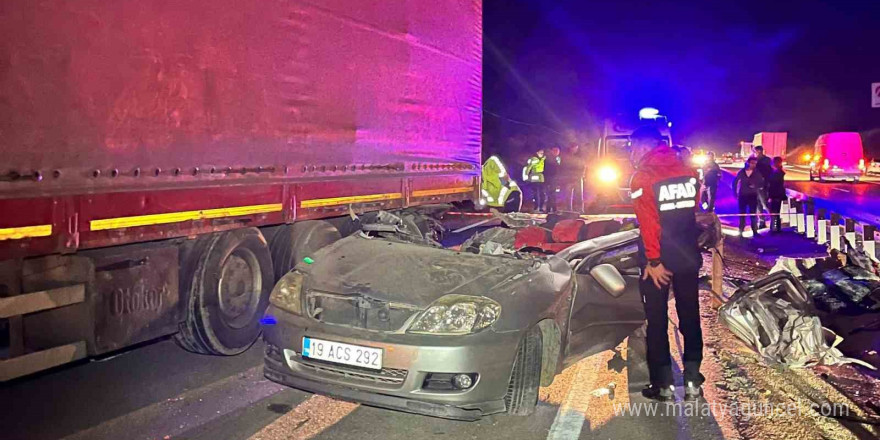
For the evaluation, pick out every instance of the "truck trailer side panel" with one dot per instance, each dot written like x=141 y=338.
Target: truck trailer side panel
x=150 y=146
x=165 y=99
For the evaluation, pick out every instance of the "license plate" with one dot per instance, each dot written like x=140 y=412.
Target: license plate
x=342 y=353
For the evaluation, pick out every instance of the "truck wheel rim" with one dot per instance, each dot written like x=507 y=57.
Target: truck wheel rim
x=239 y=288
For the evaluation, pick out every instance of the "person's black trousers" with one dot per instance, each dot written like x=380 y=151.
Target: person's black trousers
x=550 y=186
x=748 y=204
x=776 y=220
x=685 y=288
x=711 y=193
x=540 y=195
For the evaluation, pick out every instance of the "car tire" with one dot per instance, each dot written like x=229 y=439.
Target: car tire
x=229 y=291
x=294 y=242
x=525 y=377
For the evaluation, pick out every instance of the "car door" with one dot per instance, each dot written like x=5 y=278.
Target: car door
x=599 y=319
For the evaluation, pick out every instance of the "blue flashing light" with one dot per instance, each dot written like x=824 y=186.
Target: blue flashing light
x=649 y=113
x=268 y=320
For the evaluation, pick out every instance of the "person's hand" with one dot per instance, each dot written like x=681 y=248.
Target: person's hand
x=658 y=274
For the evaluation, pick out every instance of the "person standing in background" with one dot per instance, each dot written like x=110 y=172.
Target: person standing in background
x=748 y=185
x=533 y=173
x=574 y=168
x=776 y=194
x=765 y=167
x=552 y=177
x=711 y=176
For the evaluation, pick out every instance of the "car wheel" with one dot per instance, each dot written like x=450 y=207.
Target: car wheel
x=228 y=292
x=522 y=392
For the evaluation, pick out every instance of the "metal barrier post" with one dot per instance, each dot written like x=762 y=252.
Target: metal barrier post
x=785 y=211
x=811 y=219
x=718 y=271
x=836 y=231
x=802 y=218
x=850 y=232
x=870 y=244
x=822 y=237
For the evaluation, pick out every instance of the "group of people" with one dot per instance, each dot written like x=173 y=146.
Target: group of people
x=760 y=187
x=556 y=175
x=664 y=190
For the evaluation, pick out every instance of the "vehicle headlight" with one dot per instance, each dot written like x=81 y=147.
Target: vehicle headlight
x=286 y=294
x=700 y=159
x=457 y=315
x=608 y=174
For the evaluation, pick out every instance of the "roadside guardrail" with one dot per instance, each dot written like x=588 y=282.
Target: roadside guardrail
x=827 y=227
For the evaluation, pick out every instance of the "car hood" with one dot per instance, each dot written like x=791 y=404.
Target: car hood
x=408 y=273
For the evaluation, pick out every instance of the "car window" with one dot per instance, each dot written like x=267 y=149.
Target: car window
x=624 y=257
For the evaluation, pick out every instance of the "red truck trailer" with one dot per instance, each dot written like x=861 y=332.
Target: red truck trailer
x=164 y=162
x=774 y=144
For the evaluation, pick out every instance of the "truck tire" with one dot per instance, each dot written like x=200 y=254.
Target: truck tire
x=522 y=392
x=294 y=242
x=229 y=291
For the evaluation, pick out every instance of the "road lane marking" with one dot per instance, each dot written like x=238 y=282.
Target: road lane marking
x=307 y=420
x=174 y=416
x=572 y=413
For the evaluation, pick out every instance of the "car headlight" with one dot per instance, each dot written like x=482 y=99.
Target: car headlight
x=286 y=294
x=608 y=174
x=457 y=315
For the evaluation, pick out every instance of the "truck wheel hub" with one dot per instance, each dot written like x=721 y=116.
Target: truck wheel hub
x=240 y=287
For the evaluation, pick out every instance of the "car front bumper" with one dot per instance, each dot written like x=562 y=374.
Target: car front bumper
x=839 y=174
x=408 y=360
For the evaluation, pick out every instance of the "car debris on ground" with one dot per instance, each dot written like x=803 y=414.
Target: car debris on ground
x=790 y=316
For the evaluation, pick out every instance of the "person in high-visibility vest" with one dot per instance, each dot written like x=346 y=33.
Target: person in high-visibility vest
x=533 y=173
x=498 y=189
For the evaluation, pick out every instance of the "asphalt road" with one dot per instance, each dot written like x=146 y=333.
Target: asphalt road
x=860 y=201
x=158 y=391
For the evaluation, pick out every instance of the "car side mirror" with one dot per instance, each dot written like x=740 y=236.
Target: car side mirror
x=609 y=278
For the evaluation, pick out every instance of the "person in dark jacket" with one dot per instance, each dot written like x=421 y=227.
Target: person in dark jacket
x=664 y=194
x=765 y=167
x=553 y=177
x=764 y=164
x=776 y=194
x=533 y=173
x=711 y=176
x=748 y=187
x=574 y=169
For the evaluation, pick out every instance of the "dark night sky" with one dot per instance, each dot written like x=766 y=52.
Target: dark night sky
x=721 y=70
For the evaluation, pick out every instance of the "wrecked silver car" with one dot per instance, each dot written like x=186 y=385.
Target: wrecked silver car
x=453 y=334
